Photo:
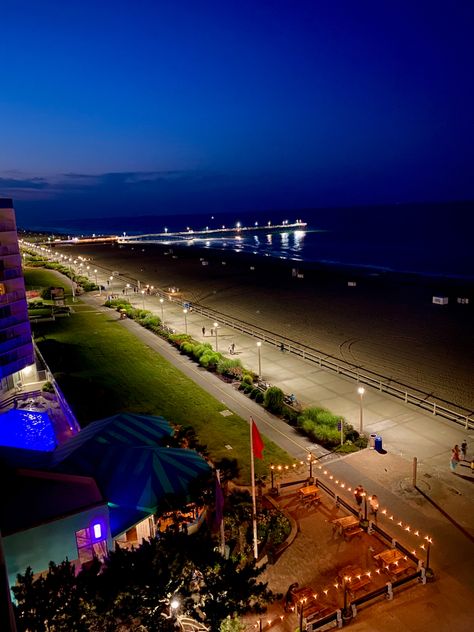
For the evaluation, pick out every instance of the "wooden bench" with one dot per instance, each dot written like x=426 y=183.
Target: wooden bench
x=397 y=569
x=352 y=531
x=359 y=584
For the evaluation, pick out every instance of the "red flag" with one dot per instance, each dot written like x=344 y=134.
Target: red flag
x=257 y=442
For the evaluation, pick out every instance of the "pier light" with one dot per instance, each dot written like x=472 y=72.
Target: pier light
x=238 y=224
x=166 y=229
x=256 y=223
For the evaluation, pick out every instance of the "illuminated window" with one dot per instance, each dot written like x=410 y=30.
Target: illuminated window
x=2 y=289
x=87 y=545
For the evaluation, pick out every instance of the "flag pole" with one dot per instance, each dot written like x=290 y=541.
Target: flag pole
x=254 y=500
x=222 y=521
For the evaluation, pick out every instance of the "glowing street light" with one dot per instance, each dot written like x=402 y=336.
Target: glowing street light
x=259 y=347
x=216 y=325
x=162 y=300
x=361 y=391
x=143 y=296
x=185 y=312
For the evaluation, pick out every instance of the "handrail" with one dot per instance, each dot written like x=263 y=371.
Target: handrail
x=383 y=384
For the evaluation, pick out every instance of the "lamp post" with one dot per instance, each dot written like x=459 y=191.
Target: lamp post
x=185 y=312
x=143 y=296
x=111 y=278
x=216 y=325
x=96 y=282
x=162 y=315
x=174 y=605
x=259 y=347
x=361 y=391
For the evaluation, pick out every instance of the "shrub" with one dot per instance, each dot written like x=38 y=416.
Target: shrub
x=362 y=441
x=187 y=348
x=209 y=360
x=273 y=399
x=227 y=366
x=254 y=392
x=248 y=389
x=201 y=348
x=246 y=378
x=347 y=448
x=259 y=396
x=48 y=387
x=290 y=414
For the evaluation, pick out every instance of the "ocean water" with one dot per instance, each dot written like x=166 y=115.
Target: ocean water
x=425 y=239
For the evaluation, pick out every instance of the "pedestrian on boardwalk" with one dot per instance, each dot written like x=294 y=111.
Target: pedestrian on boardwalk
x=212 y=332
x=464 y=449
x=374 y=505
x=282 y=347
x=358 y=495
x=232 y=348
x=203 y=332
x=455 y=458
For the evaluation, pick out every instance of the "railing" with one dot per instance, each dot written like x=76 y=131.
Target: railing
x=420 y=399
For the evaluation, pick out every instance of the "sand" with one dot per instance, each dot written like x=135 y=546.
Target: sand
x=386 y=323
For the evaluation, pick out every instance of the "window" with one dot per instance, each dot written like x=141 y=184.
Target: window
x=88 y=547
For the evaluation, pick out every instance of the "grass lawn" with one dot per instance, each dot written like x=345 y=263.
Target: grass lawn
x=39 y=278
x=103 y=369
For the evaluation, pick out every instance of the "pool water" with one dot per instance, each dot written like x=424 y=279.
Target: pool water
x=27 y=429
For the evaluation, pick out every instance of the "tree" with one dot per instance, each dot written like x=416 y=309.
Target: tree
x=131 y=589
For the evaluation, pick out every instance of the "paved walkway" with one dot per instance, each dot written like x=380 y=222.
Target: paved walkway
x=445 y=511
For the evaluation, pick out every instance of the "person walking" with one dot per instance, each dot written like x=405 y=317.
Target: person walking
x=358 y=495
x=464 y=449
x=455 y=458
x=374 y=505
x=232 y=348
x=203 y=332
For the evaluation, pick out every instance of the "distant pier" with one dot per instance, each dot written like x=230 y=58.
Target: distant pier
x=191 y=233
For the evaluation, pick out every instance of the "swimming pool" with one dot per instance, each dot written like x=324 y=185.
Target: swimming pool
x=27 y=429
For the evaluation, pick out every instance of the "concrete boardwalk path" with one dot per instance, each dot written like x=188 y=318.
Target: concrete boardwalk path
x=445 y=511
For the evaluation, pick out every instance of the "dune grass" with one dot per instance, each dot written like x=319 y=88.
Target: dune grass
x=103 y=369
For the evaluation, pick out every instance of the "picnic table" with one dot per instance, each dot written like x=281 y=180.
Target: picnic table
x=309 y=491
x=388 y=557
x=346 y=524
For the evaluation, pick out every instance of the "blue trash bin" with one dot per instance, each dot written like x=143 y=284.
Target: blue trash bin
x=378 y=443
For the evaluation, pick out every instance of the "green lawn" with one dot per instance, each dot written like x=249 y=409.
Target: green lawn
x=103 y=369
x=39 y=278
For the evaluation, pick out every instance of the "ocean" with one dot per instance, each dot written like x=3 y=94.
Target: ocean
x=426 y=239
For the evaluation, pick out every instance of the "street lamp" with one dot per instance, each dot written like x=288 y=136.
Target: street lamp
x=361 y=391
x=185 y=312
x=216 y=325
x=259 y=347
x=96 y=282
x=143 y=296
x=174 y=605
x=162 y=316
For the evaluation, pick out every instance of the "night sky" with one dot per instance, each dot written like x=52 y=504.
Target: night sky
x=178 y=106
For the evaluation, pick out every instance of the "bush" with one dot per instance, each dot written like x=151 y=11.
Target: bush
x=187 y=348
x=273 y=399
x=246 y=378
x=254 y=392
x=227 y=366
x=347 y=448
x=209 y=360
x=199 y=349
x=362 y=441
x=48 y=387
x=290 y=414
x=259 y=396
x=248 y=389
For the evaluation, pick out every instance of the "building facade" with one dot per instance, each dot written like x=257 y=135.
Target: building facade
x=16 y=346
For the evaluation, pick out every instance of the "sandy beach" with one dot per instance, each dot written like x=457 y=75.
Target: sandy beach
x=386 y=323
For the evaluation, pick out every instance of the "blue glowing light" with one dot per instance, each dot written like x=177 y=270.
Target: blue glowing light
x=27 y=429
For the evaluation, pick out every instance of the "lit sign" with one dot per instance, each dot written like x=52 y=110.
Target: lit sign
x=97 y=529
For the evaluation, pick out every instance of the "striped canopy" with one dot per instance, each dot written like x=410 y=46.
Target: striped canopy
x=124 y=428
x=136 y=477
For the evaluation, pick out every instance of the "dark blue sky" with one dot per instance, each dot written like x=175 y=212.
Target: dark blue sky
x=156 y=106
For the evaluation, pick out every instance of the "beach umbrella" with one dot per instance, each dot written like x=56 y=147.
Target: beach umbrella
x=124 y=428
x=136 y=477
